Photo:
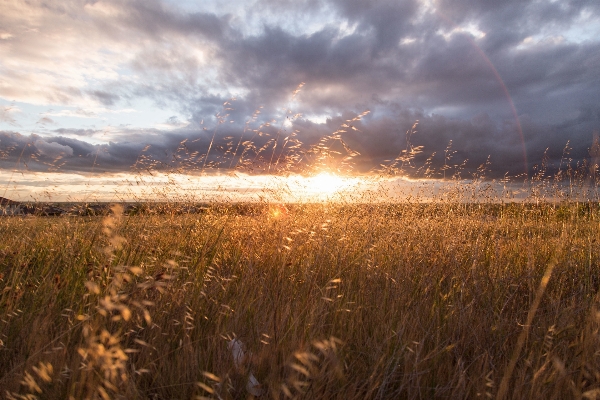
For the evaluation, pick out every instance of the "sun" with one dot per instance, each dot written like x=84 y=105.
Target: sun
x=324 y=186
x=325 y=183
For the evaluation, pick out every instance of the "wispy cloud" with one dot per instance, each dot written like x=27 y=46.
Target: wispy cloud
x=7 y=114
x=86 y=112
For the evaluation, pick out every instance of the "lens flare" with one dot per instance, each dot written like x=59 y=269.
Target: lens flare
x=278 y=211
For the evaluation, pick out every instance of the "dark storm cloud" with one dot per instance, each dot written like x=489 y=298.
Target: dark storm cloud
x=133 y=150
x=153 y=19
x=76 y=132
x=514 y=13
x=464 y=69
x=469 y=143
x=388 y=21
x=463 y=145
x=38 y=153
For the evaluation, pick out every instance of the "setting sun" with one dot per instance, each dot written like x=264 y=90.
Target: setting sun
x=326 y=183
x=325 y=186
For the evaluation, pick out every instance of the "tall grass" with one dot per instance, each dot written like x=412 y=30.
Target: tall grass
x=329 y=300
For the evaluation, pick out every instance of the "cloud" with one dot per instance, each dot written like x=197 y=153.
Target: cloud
x=45 y=121
x=7 y=114
x=86 y=112
x=77 y=132
x=104 y=97
x=52 y=149
x=465 y=69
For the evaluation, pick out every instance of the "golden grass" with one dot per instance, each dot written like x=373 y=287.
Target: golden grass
x=330 y=301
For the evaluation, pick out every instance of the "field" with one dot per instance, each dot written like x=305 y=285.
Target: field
x=305 y=301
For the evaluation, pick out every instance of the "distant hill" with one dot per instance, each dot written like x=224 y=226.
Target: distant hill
x=9 y=207
x=7 y=202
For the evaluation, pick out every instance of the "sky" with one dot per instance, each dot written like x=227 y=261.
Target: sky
x=119 y=88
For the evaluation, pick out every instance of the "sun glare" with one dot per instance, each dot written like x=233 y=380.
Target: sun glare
x=325 y=183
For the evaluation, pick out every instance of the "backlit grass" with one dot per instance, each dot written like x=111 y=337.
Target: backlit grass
x=330 y=301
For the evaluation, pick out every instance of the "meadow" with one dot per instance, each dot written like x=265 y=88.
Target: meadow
x=313 y=301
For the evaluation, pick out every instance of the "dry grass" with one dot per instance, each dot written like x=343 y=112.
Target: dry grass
x=330 y=301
